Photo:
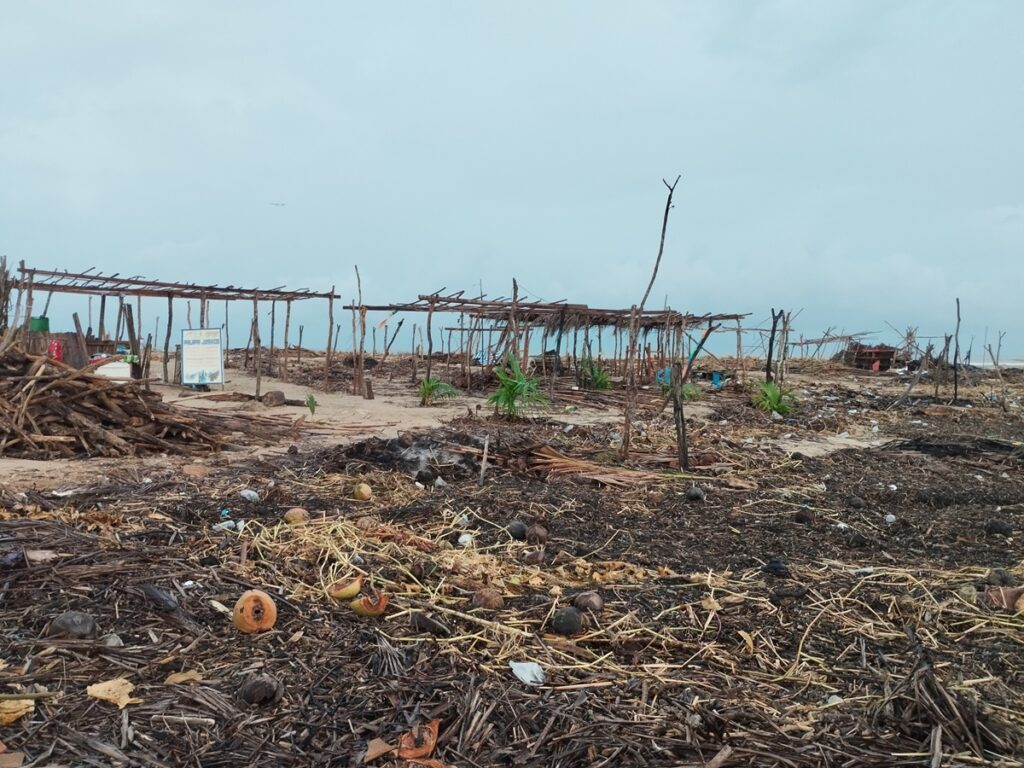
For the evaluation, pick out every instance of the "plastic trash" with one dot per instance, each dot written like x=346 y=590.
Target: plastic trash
x=529 y=672
x=465 y=540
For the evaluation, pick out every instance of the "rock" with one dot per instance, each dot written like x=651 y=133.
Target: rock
x=273 y=399
x=999 y=528
x=159 y=598
x=804 y=517
x=567 y=621
x=589 y=601
x=1000 y=577
x=296 y=516
x=423 y=569
x=776 y=416
x=293 y=450
x=249 y=495
x=537 y=534
x=261 y=690
x=968 y=593
x=112 y=641
x=421 y=622
x=834 y=700
x=534 y=556
x=209 y=561
x=488 y=598
x=517 y=530
x=786 y=595
x=74 y=624
x=427 y=476
x=695 y=493
x=776 y=566
x=856 y=502
x=890 y=519
x=857 y=540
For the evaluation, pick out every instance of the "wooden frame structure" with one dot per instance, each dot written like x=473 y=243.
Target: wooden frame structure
x=93 y=283
x=514 y=321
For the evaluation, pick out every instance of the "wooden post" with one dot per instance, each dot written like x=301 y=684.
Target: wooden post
x=956 y=356
x=133 y=342
x=167 y=336
x=28 y=300
x=298 y=352
x=330 y=340
x=103 y=318
x=147 y=355
x=741 y=365
x=287 y=321
x=120 y=321
x=273 y=322
x=83 y=350
x=513 y=320
x=138 y=318
x=682 y=452
x=430 y=337
x=257 y=344
x=415 y=356
x=227 y=338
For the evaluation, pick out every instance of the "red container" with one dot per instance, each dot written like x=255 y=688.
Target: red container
x=55 y=349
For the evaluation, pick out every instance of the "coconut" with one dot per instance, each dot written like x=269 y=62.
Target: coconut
x=362 y=492
x=346 y=589
x=296 y=516
x=567 y=621
x=589 y=601
x=488 y=598
x=537 y=534
x=517 y=530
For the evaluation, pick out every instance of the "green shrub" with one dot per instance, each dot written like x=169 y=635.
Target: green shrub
x=690 y=392
x=593 y=375
x=431 y=390
x=770 y=398
x=516 y=391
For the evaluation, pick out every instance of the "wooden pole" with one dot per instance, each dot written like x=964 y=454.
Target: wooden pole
x=103 y=318
x=83 y=350
x=430 y=338
x=682 y=452
x=133 y=342
x=298 y=352
x=956 y=356
x=167 y=335
x=273 y=322
x=257 y=344
x=330 y=339
x=227 y=338
x=287 y=323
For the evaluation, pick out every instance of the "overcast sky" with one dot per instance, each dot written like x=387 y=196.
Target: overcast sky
x=859 y=160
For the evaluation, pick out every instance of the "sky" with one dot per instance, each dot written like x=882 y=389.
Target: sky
x=857 y=162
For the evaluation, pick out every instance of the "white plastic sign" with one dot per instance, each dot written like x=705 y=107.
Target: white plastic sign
x=202 y=358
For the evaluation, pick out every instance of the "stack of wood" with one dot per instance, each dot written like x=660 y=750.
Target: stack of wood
x=50 y=410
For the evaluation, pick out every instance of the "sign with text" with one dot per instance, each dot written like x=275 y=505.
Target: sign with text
x=202 y=360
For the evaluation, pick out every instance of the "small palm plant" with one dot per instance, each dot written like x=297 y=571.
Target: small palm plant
x=311 y=404
x=516 y=391
x=689 y=392
x=593 y=375
x=771 y=398
x=431 y=390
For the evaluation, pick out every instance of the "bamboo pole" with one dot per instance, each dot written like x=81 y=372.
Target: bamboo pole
x=167 y=335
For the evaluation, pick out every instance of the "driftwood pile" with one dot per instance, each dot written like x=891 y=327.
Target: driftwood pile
x=51 y=410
